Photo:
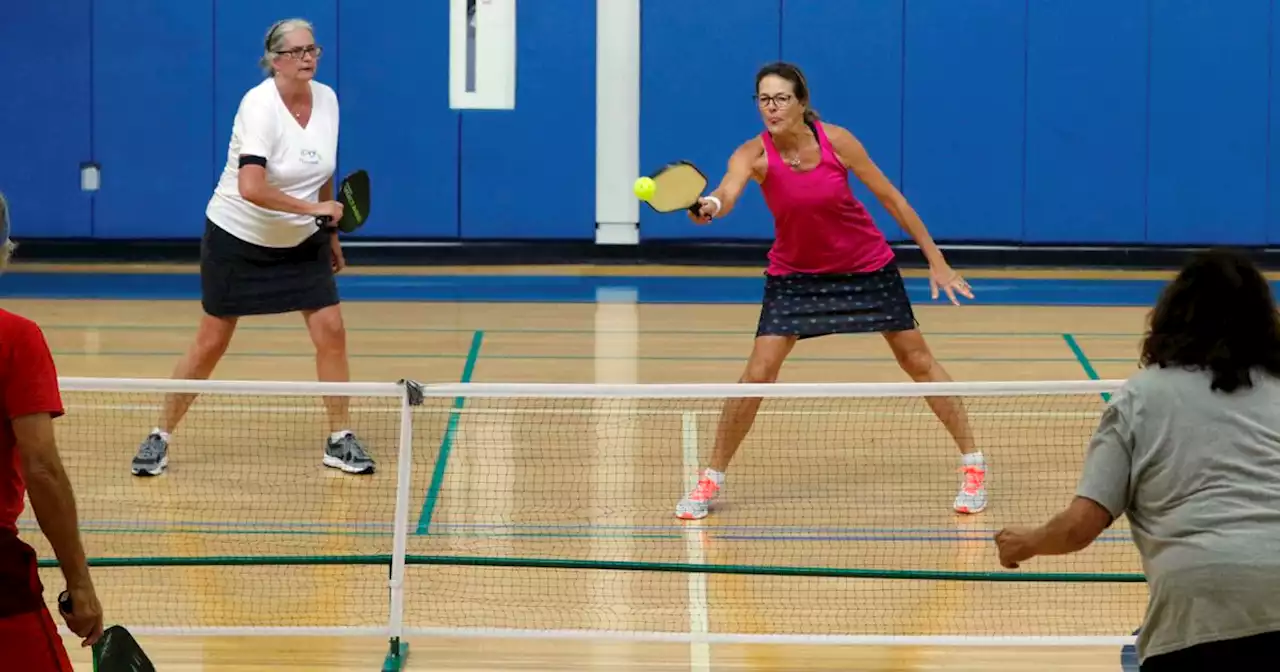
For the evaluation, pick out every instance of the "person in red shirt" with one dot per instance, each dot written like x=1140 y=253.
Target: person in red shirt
x=29 y=463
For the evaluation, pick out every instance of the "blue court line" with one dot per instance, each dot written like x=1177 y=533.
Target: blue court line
x=577 y=289
x=446 y=443
x=674 y=525
x=668 y=534
x=558 y=357
x=566 y=332
x=1084 y=362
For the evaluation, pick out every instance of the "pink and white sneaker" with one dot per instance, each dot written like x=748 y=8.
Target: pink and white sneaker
x=697 y=503
x=973 y=492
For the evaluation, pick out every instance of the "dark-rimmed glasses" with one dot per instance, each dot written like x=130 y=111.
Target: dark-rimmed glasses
x=296 y=53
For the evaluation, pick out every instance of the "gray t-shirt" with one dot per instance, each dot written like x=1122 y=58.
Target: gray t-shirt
x=1198 y=474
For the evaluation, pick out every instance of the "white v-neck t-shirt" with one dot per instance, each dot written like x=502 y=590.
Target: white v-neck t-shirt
x=299 y=162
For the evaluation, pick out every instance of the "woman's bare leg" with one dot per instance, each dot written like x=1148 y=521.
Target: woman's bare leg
x=213 y=336
x=917 y=361
x=736 y=418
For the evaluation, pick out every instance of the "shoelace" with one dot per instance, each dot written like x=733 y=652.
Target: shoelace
x=151 y=448
x=353 y=449
x=973 y=477
x=705 y=489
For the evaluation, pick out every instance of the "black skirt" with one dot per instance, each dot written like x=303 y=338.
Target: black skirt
x=808 y=305
x=239 y=278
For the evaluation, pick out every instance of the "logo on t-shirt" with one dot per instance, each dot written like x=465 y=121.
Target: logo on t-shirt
x=309 y=156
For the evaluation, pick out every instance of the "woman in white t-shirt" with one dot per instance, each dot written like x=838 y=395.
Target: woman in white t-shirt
x=262 y=251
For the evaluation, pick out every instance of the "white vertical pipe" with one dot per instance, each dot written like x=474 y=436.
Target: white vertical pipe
x=400 y=543
x=617 y=121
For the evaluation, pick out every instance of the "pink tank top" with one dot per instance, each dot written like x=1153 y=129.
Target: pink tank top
x=819 y=225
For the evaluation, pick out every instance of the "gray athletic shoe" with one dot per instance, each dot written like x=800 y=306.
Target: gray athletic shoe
x=348 y=455
x=152 y=457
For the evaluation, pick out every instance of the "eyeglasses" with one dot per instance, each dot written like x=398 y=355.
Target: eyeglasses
x=781 y=101
x=296 y=53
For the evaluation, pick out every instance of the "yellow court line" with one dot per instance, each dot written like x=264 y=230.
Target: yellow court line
x=589 y=270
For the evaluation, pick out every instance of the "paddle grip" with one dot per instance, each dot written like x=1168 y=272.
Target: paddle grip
x=696 y=208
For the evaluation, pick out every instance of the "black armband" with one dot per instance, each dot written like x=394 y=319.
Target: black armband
x=250 y=160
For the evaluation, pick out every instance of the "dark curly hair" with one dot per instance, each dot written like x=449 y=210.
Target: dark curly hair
x=1219 y=315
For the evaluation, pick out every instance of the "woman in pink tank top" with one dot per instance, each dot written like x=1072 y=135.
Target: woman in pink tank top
x=830 y=269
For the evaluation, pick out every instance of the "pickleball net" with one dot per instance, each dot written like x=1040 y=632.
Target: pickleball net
x=529 y=510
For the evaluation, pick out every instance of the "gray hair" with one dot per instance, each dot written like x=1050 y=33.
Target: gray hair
x=275 y=40
x=6 y=252
x=7 y=246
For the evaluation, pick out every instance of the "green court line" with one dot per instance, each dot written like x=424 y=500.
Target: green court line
x=446 y=443
x=616 y=565
x=1084 y=362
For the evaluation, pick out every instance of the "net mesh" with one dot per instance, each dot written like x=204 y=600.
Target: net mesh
x=245 y=486
x=557 y=513
x=847 y=487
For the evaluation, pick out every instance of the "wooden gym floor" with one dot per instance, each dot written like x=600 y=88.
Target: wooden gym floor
x=849 y=484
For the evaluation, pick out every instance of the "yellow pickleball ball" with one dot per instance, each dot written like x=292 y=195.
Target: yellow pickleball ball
x=645 y=188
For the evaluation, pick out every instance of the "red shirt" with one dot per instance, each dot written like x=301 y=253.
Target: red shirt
x=28 y=384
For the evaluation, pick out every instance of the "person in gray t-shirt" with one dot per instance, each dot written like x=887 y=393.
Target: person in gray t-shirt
x=1189 y=450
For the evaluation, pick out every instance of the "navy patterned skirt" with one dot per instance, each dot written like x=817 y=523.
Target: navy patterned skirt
x=808 y=305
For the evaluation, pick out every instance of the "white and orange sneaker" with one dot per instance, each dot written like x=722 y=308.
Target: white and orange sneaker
x=697 y=503
x=973 y=492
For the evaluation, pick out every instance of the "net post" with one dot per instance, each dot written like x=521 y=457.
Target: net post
x=397 y=649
